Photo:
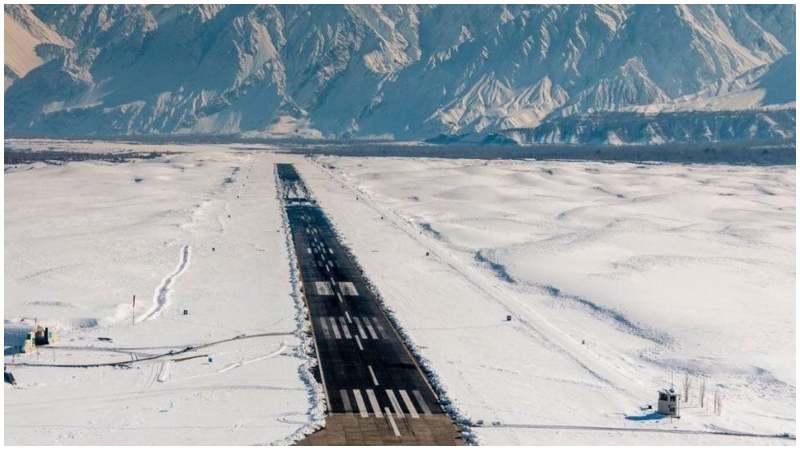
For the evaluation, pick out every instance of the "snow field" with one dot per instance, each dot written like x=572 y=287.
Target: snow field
x=619 y=278
x=81 y=238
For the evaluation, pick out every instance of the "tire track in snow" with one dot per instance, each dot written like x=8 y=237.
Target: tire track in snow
x=256 y=359
x=161 y=296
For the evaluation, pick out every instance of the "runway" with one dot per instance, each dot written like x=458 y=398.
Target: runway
x=367 y=371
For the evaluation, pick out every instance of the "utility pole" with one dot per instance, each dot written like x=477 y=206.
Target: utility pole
x=687 y=384
x=133 y=311
x=703 y=393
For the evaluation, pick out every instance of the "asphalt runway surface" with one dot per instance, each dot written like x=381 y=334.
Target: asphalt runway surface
x=366 y=369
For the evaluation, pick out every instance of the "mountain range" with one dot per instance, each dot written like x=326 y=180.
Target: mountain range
x=611 y=74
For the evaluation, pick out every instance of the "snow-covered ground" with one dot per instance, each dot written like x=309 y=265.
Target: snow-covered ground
x=201 y=231
x=618 y=278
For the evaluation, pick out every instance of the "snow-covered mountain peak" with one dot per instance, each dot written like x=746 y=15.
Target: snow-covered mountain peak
x=409 y=72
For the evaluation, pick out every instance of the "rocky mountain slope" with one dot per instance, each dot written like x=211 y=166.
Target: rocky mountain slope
x=28 y=42
x=406 y=72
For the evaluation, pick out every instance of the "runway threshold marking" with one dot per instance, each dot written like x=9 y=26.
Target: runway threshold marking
x=345 y=328
x=325 y=330
x=361 y=331
x=381 y=330
x=422 y=404
x=362 y=407
x=370 y=329
x=395 y=403
x=373 y=401
x=335 y=328
x=409 y=404
x=346 y=400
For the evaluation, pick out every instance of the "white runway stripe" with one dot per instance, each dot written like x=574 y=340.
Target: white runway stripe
x=348 y=288
x=362 y=407
x=395 y=404
x=373 y=401
x=345 y=328
x=422 y=404
x=369 y=328
x=346 y=400
x=325 y=330
x=409 y=404
x=372 y=374
x=360 y=329
x=358 y=341
x=347 y=314
x=381 y=330
x=335 y=328
x=323 y=288
x=391 y=422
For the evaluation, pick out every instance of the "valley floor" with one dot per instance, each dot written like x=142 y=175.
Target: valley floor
x=619 y=279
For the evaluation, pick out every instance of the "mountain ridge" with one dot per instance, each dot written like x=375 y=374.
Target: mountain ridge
x=405 y=72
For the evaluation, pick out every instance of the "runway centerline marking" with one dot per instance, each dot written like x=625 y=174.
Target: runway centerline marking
x=391 y=421
x=372 y=374
x=358 y=341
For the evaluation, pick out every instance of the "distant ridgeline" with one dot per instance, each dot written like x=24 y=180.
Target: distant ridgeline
x=488 y=74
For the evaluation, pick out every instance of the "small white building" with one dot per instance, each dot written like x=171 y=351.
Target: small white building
x=669 y=403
